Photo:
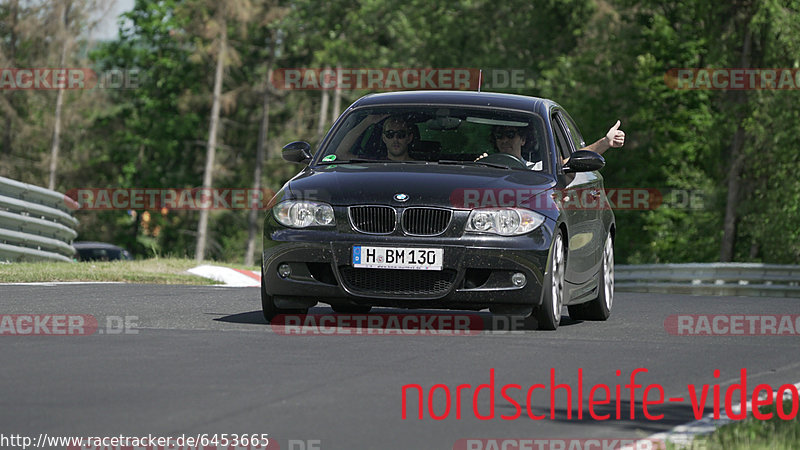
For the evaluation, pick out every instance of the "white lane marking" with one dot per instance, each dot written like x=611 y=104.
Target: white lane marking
x=58 y=283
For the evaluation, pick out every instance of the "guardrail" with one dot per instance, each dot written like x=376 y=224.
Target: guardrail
x=35 y=223
x=730 y=279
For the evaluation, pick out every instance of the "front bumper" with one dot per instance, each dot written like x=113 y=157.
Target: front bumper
x=476 y=273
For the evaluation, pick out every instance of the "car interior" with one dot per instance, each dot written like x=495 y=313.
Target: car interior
x=453 y=138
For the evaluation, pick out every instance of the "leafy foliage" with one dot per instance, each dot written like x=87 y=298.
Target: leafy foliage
x=603 y=60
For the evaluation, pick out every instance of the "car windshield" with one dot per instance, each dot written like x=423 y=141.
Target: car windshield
x=438 y=134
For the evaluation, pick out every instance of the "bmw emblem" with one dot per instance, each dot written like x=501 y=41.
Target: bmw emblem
x=401 y=197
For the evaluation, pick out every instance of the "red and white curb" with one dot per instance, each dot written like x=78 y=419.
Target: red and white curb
x=230 y=277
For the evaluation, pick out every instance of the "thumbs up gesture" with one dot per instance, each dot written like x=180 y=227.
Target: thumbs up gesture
x=615 y=137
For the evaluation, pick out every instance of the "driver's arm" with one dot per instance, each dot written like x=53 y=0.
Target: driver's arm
x=345 y=147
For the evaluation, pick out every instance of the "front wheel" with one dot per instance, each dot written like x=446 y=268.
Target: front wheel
x=600 y=307
x=548 y=315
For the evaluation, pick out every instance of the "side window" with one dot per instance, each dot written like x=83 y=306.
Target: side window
x=574 y=134
x=561 y=139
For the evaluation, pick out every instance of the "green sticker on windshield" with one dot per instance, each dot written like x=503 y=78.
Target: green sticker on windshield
x=329 y=158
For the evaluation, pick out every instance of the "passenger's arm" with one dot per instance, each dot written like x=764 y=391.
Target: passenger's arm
x=614 y=138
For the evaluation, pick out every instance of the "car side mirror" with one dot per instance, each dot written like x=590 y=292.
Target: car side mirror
x=297 y=152
x=584 y=161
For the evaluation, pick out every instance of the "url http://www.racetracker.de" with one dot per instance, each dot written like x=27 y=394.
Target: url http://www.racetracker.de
x=255 y=441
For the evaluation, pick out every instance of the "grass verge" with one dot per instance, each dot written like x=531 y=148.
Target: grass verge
x=149 y=271
x=754 y=434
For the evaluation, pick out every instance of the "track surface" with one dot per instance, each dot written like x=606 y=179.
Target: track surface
x=204 y=361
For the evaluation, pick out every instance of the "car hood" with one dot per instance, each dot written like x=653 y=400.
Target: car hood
x=459 y=186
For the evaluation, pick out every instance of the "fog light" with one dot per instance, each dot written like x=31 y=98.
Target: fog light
x=518 y=279
x=284 y=270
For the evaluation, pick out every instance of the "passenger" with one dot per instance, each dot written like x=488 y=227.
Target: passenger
x=511 y=140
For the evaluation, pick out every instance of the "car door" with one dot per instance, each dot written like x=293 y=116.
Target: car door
x=577 y=195
x=594 y=198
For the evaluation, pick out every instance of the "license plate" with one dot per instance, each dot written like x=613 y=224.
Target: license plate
x=398 y=258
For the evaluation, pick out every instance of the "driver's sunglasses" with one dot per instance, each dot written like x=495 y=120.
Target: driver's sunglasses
x=508 y=134
x=399 y=134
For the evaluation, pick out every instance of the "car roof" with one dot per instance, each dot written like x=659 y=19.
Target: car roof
x=89 y=244
x=465 y=98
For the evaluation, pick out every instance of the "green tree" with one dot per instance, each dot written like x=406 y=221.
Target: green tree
x=148 y=136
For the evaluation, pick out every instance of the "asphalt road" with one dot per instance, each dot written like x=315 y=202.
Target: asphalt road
x=204 y=361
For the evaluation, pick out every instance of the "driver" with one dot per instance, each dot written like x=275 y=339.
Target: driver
x=396 y=136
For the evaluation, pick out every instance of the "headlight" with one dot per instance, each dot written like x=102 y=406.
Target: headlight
x=504 y=221
x=301 y=214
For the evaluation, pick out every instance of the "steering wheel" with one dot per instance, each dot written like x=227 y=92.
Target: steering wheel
x=504 y=159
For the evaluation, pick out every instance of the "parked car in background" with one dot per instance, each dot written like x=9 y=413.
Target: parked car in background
x=100 y=251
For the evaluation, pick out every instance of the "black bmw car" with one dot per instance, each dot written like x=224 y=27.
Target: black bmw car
x=453 y=200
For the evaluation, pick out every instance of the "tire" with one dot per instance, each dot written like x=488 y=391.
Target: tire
x=548 y=315
x=600 y=307
x=268 y=302
x=352 y=309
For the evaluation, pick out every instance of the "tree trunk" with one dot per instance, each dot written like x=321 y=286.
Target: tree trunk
x=54 y=149
x=211 y=146
x=252 y=218
x=734 y=172
x=56 y=140
x=12 y=62
x=737 y=156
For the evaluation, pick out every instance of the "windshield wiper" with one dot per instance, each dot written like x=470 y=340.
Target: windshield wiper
x=467 y=163
x=375 y=161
